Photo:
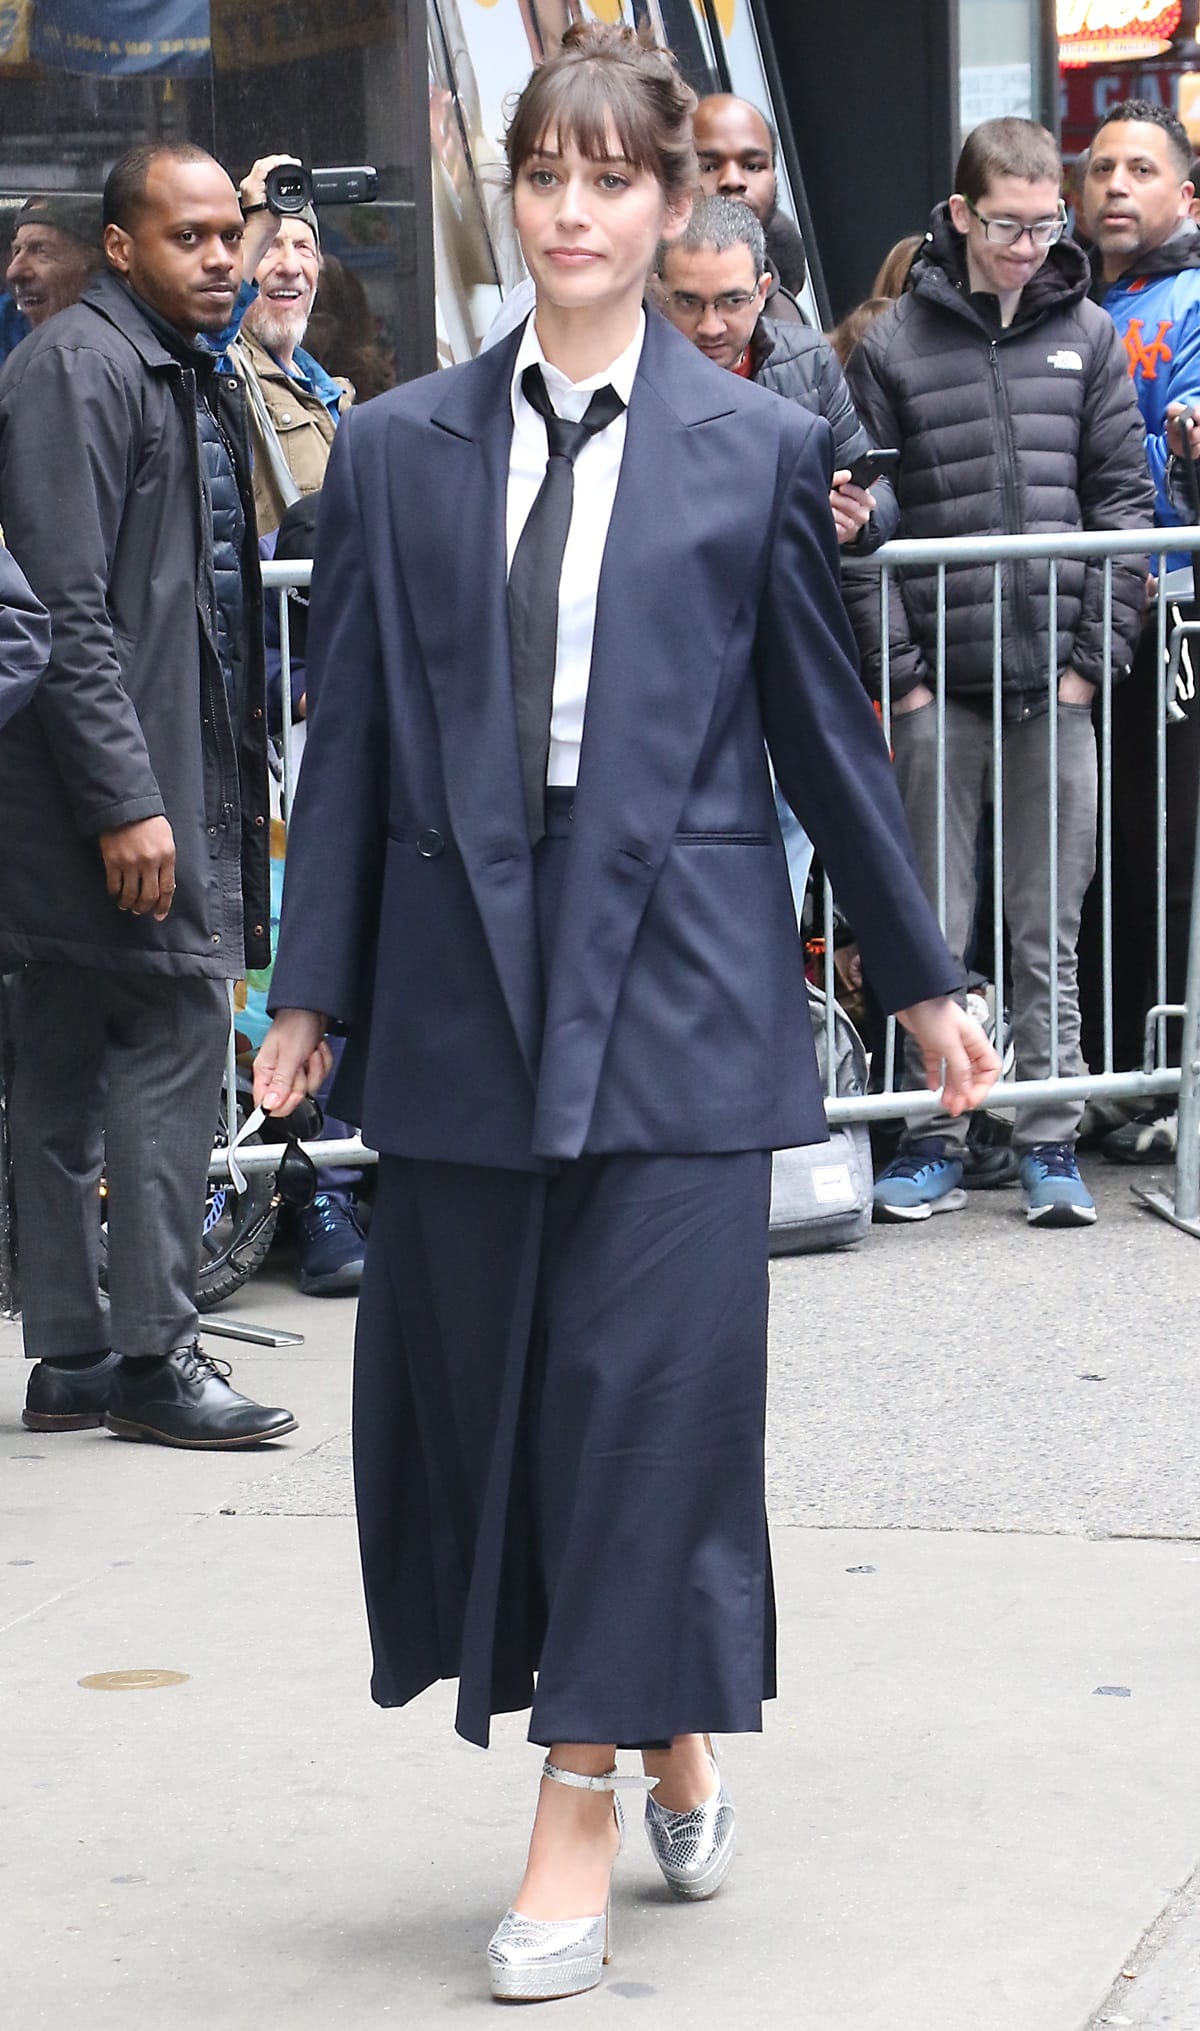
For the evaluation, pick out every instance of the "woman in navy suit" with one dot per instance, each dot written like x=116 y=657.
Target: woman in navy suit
x=566 y=596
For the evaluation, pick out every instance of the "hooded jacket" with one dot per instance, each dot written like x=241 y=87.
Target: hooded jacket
x=1155 y=306
x=1026 y=428
x=106 y=507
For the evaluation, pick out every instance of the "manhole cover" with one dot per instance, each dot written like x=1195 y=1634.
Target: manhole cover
x=132 y=1681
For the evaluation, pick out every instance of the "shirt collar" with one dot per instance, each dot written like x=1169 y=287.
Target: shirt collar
x=570 y=398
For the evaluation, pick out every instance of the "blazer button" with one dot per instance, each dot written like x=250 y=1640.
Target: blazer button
x=430 y=844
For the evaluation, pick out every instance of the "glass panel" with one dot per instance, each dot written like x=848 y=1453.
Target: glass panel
x=81 y=80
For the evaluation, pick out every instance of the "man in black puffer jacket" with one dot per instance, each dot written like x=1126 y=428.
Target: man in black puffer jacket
x=1007 y=394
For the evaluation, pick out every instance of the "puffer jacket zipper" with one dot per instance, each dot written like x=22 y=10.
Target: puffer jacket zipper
x=1019 y=578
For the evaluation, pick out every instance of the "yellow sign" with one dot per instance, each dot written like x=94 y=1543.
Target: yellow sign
x=14 y=31
x=1189 y=104
x=1109 y=31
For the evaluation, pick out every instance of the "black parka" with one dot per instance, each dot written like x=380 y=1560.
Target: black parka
x=1022 y=429
x=104 y=505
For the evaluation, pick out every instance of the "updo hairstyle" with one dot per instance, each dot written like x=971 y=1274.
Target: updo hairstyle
x=604 y=79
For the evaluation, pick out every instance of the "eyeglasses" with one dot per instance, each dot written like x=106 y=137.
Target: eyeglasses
x=731 y=304
x=1007 y=232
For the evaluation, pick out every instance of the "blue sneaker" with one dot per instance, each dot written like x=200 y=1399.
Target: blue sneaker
x=330 y=1247
x=1055 y=1194
x=922 y=1179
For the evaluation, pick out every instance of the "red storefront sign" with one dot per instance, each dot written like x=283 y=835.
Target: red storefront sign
x=1086 y=96
x=1114 y=31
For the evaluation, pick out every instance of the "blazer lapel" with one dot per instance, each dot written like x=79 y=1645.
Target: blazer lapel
x=679 y=552
x=451 y=513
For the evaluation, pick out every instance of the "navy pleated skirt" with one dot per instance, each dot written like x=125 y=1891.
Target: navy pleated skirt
x=559 y=1409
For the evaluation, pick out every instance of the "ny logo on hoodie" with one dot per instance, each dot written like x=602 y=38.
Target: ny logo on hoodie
x=1144 y=359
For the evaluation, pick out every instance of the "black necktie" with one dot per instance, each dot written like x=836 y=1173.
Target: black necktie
x=533 y=583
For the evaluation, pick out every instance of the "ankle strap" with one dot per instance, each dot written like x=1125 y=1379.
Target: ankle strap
x=609 y=1780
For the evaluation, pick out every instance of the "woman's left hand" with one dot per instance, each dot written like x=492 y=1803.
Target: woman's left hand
x=946 y=1034
x=293 y=1060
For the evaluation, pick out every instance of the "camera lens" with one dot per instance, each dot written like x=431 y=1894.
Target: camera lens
x=288 y=189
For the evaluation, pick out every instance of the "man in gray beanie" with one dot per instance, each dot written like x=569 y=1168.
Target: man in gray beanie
x=56 y=248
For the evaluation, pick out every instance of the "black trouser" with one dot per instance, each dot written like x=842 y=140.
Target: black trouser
x=1135 y=861
x=117 y=1073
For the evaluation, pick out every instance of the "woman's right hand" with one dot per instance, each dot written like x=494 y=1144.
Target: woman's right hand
x=293 y=1060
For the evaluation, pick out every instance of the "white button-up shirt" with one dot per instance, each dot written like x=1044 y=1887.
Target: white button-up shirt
x=597 y=470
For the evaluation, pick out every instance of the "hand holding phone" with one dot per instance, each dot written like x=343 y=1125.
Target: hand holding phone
x=870 y=466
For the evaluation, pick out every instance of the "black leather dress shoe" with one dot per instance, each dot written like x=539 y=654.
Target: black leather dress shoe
x=185 y=1400
x=68 y=1399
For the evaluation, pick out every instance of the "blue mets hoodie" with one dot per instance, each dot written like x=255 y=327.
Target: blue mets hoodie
x=1156 y=308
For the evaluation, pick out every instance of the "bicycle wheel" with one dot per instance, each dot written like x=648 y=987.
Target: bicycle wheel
x=227 y=1258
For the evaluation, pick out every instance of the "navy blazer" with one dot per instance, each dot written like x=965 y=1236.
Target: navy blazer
x=676 y=1018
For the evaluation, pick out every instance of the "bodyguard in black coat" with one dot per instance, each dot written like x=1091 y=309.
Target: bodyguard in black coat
x=577 y=1054
x=132 y=720
x=134 y=873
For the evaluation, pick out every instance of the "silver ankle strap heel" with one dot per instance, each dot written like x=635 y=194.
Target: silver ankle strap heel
x=609 y=1780
x=694 y=1849
x=543 y=1959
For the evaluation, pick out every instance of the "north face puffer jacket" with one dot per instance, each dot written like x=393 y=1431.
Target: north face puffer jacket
x=1021 y=429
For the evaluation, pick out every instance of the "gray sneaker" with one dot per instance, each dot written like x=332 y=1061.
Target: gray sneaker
x=1152 y=1140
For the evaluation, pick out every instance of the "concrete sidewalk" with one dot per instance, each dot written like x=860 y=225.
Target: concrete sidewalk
x=975 y=1795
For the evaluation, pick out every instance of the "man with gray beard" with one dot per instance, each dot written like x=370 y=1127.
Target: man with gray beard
x=293 y=403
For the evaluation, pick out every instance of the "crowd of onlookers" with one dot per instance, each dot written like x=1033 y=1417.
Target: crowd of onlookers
x=1020 y=370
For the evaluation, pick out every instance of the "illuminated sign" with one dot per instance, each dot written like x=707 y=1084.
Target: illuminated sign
x=1114 y=31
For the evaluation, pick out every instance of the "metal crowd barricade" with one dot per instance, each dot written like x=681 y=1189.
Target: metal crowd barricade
x=1155 y=1077
x=280 y=580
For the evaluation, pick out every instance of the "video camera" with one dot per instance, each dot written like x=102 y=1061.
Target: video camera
x=290 y=187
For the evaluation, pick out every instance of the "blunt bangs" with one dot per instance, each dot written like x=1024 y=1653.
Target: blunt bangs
x=606 y=84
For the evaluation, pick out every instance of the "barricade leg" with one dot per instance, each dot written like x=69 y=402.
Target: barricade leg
x=1183 y=1210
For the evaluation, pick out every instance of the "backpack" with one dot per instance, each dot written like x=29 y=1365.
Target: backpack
x=821 y=1191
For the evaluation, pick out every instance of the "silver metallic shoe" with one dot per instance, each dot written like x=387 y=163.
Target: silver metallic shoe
x=694 y=1849
x=539 y=1960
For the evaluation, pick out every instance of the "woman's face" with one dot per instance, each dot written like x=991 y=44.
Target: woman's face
x=589 y=228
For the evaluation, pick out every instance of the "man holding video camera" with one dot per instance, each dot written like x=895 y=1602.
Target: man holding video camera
x=293 y=404
x=134 y=878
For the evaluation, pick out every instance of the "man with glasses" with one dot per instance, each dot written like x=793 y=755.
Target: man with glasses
x=1136 y=209
x=713 y=285
x=1006 y=392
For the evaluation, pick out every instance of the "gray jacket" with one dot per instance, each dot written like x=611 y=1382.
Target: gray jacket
x=104 y=505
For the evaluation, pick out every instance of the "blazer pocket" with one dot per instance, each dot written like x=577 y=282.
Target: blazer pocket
x=723 y=838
